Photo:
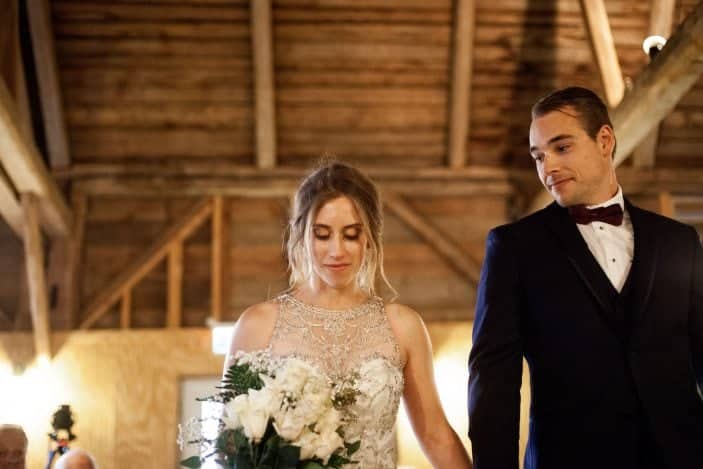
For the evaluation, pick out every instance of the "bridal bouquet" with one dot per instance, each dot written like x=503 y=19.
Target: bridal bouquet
x=277 y=413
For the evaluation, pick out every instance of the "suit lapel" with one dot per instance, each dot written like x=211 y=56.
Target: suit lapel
x=644 y=261
x=580 y=257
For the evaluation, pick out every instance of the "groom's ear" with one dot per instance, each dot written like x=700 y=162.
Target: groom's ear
x=606 y=141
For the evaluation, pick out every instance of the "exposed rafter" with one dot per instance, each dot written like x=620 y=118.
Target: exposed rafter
x=603 y=46
x=25 y=168
x=48 y=81
x=142 y=265
x=459 y=118
x=262 y=43
x=36 y=275
x=661 y=19
x=459 y=260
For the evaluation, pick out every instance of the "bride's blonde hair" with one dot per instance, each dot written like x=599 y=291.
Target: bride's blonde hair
x=327 y=182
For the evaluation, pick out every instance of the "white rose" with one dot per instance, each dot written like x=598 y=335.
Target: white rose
x=293 y=375
x=252 y=420
x=326 y=444
x=307 y=443
x=329 y=421
x=289 y=424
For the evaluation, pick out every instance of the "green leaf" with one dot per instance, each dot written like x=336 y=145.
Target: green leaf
x=353 y=447
x=288 y=457
x=192 y=462
x=337 y=461
x=270 y=452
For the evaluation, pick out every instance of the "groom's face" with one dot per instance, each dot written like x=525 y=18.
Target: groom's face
x=573 y=167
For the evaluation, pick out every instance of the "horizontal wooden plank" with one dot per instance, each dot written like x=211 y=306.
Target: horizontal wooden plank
x=112 y=11
x=152 y=29
x=162 y=115
x=361 y=137
x=376 y=34
x=409 y=77
x=131 y=93
x=614 y=7
x=234 y=145
x=355 y=96
x=351 y=14
x=155 y=48
x=368 y=117
x=362 y=4
x=338 y=54
x=145 y=62
x=185 y=77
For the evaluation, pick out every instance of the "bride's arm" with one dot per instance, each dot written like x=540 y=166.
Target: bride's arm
x=437 y=438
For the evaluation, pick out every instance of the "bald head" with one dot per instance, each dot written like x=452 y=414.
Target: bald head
x=76 y=459
x=13 y=447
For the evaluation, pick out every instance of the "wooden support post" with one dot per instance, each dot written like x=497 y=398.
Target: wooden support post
x=219 y=257
x=126 y=310
x=262 y=44
x=450 y=252
x=596 y=20
x=661 y=18
x=36 y=276
x=460 y=107
x=47 y=78
x=143 y=264
x=75 y=259
x=175 y=285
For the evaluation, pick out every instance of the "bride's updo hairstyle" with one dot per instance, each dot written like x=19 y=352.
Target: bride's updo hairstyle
x=330 y=181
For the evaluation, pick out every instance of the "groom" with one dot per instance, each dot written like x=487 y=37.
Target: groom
x=605 y=302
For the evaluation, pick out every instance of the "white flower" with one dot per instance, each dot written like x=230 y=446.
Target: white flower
x=307 y=443
x=329 y=421
x=289 y=423
x=294 y=374
x=326 y=444
x=251 y=418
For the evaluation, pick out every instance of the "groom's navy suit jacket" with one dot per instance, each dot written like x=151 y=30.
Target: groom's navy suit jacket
x=603 y=366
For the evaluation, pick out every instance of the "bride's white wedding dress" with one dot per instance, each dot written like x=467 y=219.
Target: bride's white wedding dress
x=345 y=342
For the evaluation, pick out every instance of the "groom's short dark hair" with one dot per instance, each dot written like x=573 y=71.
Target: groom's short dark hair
x=590 y=109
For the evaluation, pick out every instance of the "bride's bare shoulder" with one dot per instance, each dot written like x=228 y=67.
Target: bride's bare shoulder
x=254 y=326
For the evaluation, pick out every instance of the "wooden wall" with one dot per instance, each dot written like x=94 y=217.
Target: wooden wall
x=123 y=389
x=118 y=229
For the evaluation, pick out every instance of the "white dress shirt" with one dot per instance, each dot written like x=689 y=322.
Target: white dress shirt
x=612 y=246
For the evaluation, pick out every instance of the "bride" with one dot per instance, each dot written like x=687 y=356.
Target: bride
x=332 y=318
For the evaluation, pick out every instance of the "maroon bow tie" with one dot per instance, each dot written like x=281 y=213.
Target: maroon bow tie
x=611 y=214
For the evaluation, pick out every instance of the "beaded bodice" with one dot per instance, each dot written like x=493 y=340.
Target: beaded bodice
x=341 y=343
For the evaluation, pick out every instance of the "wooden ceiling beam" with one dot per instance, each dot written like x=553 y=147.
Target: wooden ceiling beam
x=27 y=172
x=48 y=81
x=661 y=17
x=596 y=19
x=262 y=44
x=459 y=260
x=10 y=208
x=36 y=275
x=460 y=107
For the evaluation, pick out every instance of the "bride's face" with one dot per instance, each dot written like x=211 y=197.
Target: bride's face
x=338 y=243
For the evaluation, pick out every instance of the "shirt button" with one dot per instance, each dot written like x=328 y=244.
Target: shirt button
x=600 y=227
x=613 y=259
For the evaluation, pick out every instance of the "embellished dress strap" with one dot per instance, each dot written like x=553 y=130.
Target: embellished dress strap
x=338 y=341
